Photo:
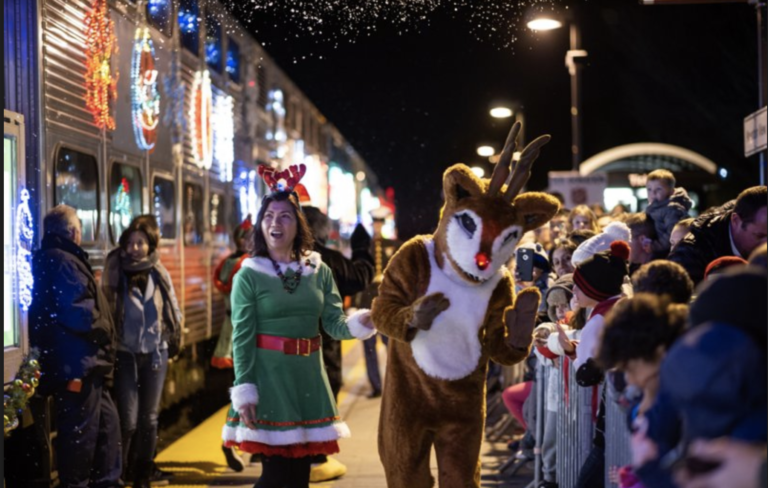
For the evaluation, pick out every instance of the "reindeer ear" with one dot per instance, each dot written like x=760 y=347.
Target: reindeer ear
x=535 y=209
x=459 y=182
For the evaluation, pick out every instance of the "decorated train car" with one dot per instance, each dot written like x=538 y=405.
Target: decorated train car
x=125 y=107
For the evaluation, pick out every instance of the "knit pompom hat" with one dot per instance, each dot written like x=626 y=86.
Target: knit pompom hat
x=564 y=285
x=601 y=276
x=615 y=231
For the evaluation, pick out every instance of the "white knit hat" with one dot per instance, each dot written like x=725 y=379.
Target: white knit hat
x=615 y=231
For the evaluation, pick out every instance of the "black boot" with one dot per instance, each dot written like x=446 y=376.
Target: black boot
x=142 y=475
x=234 y=461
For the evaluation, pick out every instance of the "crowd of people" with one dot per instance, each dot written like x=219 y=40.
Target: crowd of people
x=669 y=308
x=657 y=303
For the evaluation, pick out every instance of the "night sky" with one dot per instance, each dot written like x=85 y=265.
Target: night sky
x=412 y=103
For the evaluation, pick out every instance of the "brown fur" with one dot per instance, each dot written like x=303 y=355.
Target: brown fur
x=418 y=410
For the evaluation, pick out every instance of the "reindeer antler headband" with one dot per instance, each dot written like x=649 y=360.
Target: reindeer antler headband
x=521 y=171
x=282 y=181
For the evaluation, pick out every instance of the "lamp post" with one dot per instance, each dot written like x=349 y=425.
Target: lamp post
x=543 y=22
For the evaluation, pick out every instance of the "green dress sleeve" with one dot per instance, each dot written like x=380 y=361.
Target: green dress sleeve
x=244 y=327
x=333 y=317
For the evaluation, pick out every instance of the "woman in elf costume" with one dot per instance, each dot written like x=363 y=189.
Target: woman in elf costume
x=282 y=406
x=222 y=280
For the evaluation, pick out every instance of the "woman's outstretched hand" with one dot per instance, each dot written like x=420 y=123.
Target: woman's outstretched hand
x=248 y=415
x=366 y=320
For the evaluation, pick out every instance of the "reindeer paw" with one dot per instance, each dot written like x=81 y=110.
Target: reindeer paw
x=427 y=308
x=520 y=319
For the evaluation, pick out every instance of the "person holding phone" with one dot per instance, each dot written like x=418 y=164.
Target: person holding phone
x=532 y=269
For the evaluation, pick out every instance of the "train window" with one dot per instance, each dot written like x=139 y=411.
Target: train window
x=194 y=226
x=233 y=60
x=219 y=218
x=160 y=15
x=164 y=206
x=189 y=25
x=213 y=41
x=124 y=198
x=77 y=185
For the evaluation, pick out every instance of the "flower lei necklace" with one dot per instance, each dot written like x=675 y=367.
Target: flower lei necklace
x=290 y=283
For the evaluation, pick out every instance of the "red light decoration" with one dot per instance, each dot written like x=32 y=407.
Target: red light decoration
x=100 y=79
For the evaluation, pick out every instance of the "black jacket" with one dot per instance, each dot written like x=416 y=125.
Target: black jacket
x=351 y=275
x=708 y=239
x=69 y=319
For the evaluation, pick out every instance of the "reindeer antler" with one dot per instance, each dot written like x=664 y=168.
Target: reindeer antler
x=501 y=172
x=292 y=176
x=296 y=173
x=268 y=175
x=523 y=167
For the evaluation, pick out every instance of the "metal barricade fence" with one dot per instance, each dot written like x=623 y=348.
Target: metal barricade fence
x=575 y=426
x=617 y=447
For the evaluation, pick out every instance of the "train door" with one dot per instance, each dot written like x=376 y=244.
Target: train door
x=17 y=242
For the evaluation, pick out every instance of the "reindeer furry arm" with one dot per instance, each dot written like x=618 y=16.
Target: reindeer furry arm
x=498 y=343
x=405 y=280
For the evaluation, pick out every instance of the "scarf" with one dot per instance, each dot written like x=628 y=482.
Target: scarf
x=118 y=270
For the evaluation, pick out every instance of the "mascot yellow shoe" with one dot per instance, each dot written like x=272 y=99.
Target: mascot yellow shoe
x=327 y=471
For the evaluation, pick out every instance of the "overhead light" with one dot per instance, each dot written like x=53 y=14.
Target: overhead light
x=544 y=24
x=501 y=112
x=486 y=151
x=479 y=172
x=360 y=176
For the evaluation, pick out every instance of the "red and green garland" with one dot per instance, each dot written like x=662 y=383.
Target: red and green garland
x=18 y=393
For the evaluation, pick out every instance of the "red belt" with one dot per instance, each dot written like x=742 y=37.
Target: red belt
x=287 y=345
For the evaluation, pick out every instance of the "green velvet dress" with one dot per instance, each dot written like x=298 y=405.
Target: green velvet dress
x=296 y=413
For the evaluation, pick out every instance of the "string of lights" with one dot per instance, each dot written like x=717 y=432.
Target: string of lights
x=25 y=235
x=100 y=79
x=200 y=111
x=224 y=135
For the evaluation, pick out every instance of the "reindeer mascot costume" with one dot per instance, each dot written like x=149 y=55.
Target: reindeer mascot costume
x=448 y=301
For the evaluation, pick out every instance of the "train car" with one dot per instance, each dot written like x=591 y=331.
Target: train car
x=164 y=107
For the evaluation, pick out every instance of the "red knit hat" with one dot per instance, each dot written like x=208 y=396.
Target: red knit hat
x=718 y=265
x=601 y=276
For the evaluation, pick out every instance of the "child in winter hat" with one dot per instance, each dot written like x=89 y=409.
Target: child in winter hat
x=615 y=231
x=597 y=285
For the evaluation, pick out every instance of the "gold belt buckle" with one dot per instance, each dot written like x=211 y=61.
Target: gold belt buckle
x=299 y=342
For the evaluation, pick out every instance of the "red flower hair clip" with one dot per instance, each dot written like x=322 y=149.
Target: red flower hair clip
x=285 y=180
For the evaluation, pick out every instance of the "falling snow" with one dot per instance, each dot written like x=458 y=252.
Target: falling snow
x=344 y=21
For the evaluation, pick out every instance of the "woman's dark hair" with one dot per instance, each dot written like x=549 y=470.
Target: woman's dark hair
x=304 y=241
x=147 y=224
x=637 y=326
x=662 y=277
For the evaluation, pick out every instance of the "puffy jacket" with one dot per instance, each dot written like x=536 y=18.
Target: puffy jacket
x=708 y=239
x=69 y=319
x=665 y=215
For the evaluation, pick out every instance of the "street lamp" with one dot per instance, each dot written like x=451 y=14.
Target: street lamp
x=486 y=151
x=501 y=112
x=542 y=21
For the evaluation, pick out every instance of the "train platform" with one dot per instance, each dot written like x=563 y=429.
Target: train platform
x=196 y=459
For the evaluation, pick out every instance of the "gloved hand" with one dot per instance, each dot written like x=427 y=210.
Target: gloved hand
x=360 y=239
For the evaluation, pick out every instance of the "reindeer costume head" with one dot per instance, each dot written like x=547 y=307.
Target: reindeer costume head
x=448 y=302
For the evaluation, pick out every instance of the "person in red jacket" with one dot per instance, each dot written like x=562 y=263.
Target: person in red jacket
x=222 y=280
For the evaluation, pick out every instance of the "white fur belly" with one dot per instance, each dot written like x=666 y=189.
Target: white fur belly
x=451 y=349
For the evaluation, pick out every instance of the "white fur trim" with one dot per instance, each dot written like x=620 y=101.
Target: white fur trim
x=451 y=349
x=245 y=394
x=299 y=435
x=356 y=328
x=590 y=337
x=615 y=231
x=264 y=265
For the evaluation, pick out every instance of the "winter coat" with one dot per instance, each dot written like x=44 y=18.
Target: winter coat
x=665 y=215
x=708 y=239
x=351 y=275
x=69 y=319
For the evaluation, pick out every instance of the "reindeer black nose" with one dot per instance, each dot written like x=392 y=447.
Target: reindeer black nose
x=482 y=260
